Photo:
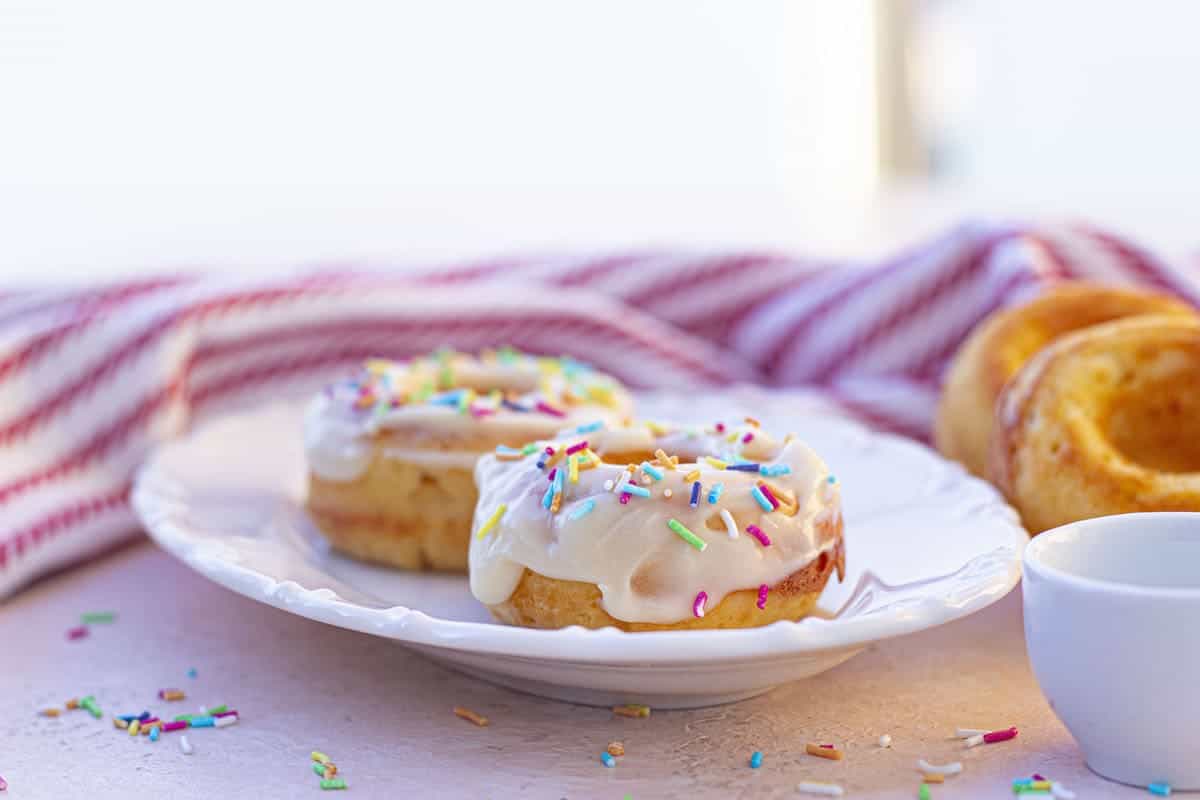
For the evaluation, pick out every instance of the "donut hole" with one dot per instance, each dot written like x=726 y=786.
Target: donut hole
x=1153 y=416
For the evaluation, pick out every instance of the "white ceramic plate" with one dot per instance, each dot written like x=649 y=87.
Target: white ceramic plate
x=925 y=543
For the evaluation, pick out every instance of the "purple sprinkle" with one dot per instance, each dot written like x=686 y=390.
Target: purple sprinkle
x=757 y=533
x=551 y=474
x=748 y=438
x=762 y=596
x=624 y=498
x=575 y=448
x=548 y=409
x=511 y=406
x=77 y=633
x=767 y=494
x=743 y=467
x=695 y=494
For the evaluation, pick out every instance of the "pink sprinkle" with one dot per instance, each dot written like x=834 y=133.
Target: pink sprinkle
x=148 y=722
x=3 y=784
x=762 y=487
x=748 y=438
x=167 y=727
x=77 y=633
x=720 y=427
x=827 y=746
x=550 y=476
x=548 y=409
x=481 y=411
x=624 y=498
x=1000 y=736
x=549 y=450
x=230 y=713
x=762 y=596
x=575 y=448
x=698 y=604
x=757 y=533
x=1038 y=777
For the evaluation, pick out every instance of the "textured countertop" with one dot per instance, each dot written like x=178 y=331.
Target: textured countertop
x=384 y=714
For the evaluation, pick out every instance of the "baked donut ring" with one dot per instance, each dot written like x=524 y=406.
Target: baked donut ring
x=392 y=449
x=1004 y=341
x=732 y=530
x=1103 y=421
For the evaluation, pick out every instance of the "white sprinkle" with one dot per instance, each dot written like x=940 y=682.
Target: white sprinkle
x=608 y=486
x=1062 y=792
x=972 y=741
x=667 y=493
x=885 y=741
x=203 y=711
x=185 y=746
x=226 y=721
x=967 y=733
x=827 y=789
x=730 y=525
x=953 y=768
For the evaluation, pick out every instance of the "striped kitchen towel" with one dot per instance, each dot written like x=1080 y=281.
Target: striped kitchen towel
x=92 y=378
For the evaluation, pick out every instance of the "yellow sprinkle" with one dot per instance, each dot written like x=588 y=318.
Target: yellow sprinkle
x=591 y=462
x=663 y=460
x=377 y=365
x=632 y=710
x=573 y=467
x=656 y=429
x=731 y=437
x=320 y=757
x=120 y=723
x=492 y=520
x=558 y=454
x=694 y=475
x=715 y=462
x=134 y=727
x=470 y=716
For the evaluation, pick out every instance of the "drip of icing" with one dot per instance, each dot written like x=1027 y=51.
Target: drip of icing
x=644 y=572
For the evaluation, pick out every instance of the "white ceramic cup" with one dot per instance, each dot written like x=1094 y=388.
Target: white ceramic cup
x=1112 y=621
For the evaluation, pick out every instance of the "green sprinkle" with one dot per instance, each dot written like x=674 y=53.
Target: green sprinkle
x=683 y=533
x=319 y=769
x=446 y=377
x=529 y=448
x=184 y=718
x=221 y=709
x=96 y=617
x=333 y=783
x=924 y=793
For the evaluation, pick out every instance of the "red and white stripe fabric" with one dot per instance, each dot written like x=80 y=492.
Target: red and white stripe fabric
x=91 y=379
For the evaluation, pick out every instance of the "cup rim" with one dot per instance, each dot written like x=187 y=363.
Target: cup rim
x=1032 y=561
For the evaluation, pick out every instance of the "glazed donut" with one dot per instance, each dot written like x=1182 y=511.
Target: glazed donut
x=1003 y=342
x=391 y=450
x=1104 y=421
x=730 y=530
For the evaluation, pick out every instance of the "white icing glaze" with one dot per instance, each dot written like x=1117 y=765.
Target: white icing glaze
x=645 y=572
x=339 y=432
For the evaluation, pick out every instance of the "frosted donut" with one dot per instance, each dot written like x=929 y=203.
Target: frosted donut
x=1104 y=421
x=391 y=450
x=652 y=527
x=1004 y=341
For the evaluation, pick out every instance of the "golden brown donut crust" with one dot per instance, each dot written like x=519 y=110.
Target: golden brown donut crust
x=1001 y=344
x=1104 y=421
x=542 y=602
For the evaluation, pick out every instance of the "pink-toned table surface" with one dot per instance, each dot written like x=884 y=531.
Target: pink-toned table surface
x=384 y=714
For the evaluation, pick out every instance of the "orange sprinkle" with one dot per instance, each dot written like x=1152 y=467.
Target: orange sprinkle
x=558 y=456
x=933 y=777
x=470 y=716
x=616 y=749
x=753 y=421
x=832 y=753
x=501 y=456
x=49 y=712
x=71 y=704
x=632 y=711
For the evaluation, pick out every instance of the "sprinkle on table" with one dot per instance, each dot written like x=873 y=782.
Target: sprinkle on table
x=1161 y=789
x=756 y=759
x=923 y=792
x=192 y=673
x=471 y=716
x=333 y=783
x=821 y=751
x=97 y=617
x=50 y=712
x=171 y=695
x=320 y=757
x=967 y=733
x=885 y=741
x=953 y=768
x=682 y=532
x=816 y=787
x=935 y=777
x=77 y=633
x=3 y=784
x=607 y=759
x=616 y=749
x=632 y=710
x=493 y=520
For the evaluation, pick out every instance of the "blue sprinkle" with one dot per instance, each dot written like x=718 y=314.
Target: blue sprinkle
x=652 y=471
x=591 y=426
x=559 y=480
x=772 y=470
x=1160 y=789
x=154 y=734
x=511 y=406
x=145 y=715
x=756 y=760
x=447 y=398
x=761 y=499
x=548 y=497
x=203 y=722
x=831 y=479
x=638 y=490
x=714 y=494
x=608 y=760
x=583 y=509
x=191 y=673
x=745 y=467
x=503 y=448
x=695 y=494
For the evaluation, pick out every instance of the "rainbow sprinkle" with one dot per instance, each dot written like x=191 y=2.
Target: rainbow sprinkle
x=582 y=510
x=546 y=408
x=608 y=760
x=767 y=493
x=774 y=470
x=757 y=533
x=756 y=759
x=575 y=448
x=757 y=493
x=683 y=533
x=493 y=520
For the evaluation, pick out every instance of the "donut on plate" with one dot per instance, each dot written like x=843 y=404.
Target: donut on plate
x=391 y=450
x=1104 y=421
x=1003 y=342
x=651 y=527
